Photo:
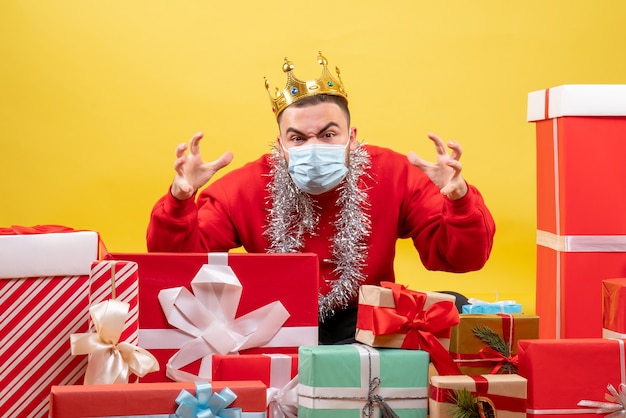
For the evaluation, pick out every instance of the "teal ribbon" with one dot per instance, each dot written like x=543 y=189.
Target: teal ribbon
x=206 y=404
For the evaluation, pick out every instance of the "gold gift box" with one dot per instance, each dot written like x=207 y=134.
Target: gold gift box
x=465 y=346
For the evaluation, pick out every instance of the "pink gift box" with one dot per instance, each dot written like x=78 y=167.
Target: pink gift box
x=575 y=126
x=291 y=279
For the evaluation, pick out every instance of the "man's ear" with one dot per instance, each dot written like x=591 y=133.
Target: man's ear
x=353 y=132
x=280 y=145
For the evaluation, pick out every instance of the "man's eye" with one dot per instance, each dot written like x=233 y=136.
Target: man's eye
x=329 y=134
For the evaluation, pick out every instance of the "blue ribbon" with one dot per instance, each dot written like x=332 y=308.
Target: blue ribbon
x=206 y=404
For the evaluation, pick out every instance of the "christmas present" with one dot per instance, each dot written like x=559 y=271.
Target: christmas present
x=504 y=394
x=390 y=315
x=477 y=306
x=46 y=250
x=111 y=360
x=234 y=299
x=40 y=306
x=614 y=308
x=351 y=380
x=570 y=232
x=112 y=279
x=572 y=376
x=185 y=399
x=277 y=371
x=567 y=280
x=487 y=343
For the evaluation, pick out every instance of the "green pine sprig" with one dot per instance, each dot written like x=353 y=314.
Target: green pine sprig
x=494 y=341
x=464 y=404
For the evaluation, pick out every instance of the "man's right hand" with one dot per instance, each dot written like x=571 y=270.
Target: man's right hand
x=191 y=172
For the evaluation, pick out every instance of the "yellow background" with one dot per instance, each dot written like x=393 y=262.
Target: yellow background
x=94 y=97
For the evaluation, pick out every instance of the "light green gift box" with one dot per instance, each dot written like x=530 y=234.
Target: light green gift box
x=334 y=381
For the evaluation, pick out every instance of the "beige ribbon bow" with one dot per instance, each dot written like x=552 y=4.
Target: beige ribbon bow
x=111 y=361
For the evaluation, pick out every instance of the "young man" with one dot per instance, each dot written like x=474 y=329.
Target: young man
x=323 y=191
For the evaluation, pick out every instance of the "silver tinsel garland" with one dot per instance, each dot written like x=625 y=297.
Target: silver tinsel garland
x=293 y=214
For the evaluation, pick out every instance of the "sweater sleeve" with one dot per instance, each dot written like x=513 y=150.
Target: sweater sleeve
x=455 y=235
x=173 y=226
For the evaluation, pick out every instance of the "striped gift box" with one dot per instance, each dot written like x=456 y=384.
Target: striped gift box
x=111 y=279
x=37 y=315
x=44 y=297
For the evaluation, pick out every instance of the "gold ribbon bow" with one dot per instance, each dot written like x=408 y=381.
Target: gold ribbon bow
x=111 y=361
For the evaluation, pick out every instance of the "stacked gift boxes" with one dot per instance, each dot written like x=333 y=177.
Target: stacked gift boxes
x=579 y=243
x=44 y=297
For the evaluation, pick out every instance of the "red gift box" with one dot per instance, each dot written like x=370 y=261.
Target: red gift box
x=277 y=371
x=575 y=126
x=274 y=370
x=144 y=398
x=291 y=279
x=38 y=314
x=563 y=372
x=117 y=280
x=614 y=308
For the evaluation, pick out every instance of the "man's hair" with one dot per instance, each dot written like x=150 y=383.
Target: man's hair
x=322 y=98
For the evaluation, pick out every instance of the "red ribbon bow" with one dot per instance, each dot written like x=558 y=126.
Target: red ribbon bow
x=498 y=358
x=419 y=325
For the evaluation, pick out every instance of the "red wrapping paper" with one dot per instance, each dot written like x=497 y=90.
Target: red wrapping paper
x=142 y=398
x=614 y=308
x=292 y=279
x=562 y=372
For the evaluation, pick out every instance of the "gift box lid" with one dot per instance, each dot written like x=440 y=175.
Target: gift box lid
x=577 y=100
x=49 y=254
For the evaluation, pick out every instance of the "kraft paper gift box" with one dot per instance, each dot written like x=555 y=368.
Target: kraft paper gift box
x=265 y=281
x=473 y=355
x=142 y=399
x=390 y=315
x=614 y=308
x=41 y=304
x=350 y=380
x=563 y=372
x=506 y=393
x=580 y=220
x=277 y=371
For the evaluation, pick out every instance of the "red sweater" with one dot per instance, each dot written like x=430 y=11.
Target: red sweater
x=449 y=235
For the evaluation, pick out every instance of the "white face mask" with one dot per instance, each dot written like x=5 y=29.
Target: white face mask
x=317 y=168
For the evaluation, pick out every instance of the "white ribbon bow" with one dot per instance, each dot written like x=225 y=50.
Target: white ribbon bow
x=283 y=403
x=209 y=317
x=111 y=361
x=616 y=407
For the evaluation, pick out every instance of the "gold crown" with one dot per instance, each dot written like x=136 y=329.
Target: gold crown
x=296 y=89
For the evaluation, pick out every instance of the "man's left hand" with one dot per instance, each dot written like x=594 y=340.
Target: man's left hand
x=446 y=172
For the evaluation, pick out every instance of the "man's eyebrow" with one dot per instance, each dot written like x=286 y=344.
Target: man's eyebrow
x=328 y=125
